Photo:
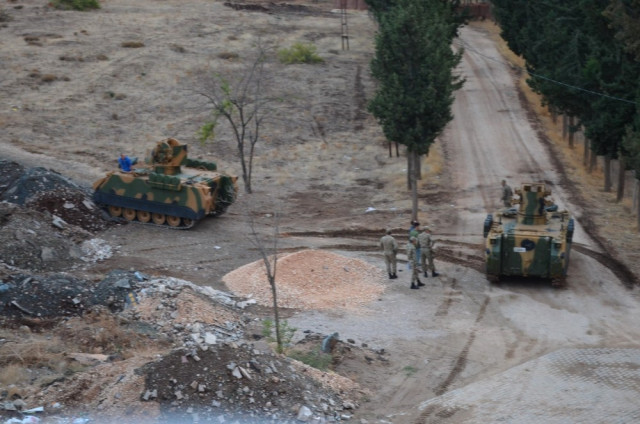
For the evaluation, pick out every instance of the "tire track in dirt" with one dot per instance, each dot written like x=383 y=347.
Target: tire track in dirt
x=621 y=271
x=461 y=361
x=443 y=309
x=458 y=367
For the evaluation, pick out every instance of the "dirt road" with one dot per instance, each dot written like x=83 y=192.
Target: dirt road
x=330 y=180
x=451 y=343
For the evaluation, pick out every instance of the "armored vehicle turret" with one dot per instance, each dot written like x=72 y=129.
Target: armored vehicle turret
x=531 y=239
x=169 y=189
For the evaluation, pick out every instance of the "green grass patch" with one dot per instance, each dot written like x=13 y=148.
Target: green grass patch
x=314 y=358
x=80 y=5
x=409 y=370
x=299 y=53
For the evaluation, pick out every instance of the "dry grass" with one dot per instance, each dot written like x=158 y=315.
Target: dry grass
x=43 y=357
x=12 y=374
x=99 y=333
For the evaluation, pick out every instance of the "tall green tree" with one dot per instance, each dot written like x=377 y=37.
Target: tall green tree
x=413 y=66
x=624 y=16
x=577 y=65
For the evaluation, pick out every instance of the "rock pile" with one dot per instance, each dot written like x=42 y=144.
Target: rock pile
x=205 y=368
x=44 y=219
x=239 y=383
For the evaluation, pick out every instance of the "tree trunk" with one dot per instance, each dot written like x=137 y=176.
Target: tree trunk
x=390 y=151
x=397 y=149
x=409 y=169
x=593 y=160
x=621 y=175
x=418 y=167
x=585 y=157
x=607 y=173
x=414 y=192
x=634 y=196
x=276 y=314
x=572 y=132
x=637 y=205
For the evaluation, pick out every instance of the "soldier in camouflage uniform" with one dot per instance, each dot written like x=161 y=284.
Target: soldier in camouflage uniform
x=412 y=257
x=507 y=194
x=390 y=249
x=426 y=255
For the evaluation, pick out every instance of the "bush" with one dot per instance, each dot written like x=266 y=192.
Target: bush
x=286 y=332
x=76 y=4
x=132 y=44
x=299 y=53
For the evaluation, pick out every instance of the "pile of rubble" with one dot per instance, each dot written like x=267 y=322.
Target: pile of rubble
x=139 y=348
x=44 y=220
x=196 y=361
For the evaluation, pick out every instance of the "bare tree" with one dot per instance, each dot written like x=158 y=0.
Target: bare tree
x=269 y=257
x=239 y=97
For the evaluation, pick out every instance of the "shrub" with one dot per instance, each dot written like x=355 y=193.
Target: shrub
x=299 y=53
x=228 y=55
x=132 y=44
x=286 y=332
x=76 y=4
x=4 y=16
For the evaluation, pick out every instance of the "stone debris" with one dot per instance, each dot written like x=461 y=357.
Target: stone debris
x=95 y=250
x=210 y=369
x=195 y=362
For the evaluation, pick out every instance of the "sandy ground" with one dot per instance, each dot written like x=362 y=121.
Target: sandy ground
x=327 y=174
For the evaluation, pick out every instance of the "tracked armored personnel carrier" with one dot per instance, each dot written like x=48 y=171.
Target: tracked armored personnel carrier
x=169 y=189
x=531 y=239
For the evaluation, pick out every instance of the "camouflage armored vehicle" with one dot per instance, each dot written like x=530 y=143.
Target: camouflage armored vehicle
x=169 y=189
x=530 y=239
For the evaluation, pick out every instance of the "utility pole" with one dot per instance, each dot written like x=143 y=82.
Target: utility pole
x=345 y=27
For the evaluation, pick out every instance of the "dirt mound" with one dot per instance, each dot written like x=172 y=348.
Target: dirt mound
x=172 y=352
x=44 y=220
x=231 y=382
x=46 y=190
x=310 y=279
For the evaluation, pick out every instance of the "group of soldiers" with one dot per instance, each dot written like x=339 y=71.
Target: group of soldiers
x=419 y=252
x=420 y=246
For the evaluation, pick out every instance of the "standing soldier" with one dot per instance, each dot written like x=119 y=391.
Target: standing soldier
x=412 y=257
x=426 y=246
x=507 y=194
x=390 y=248
x=414 y=231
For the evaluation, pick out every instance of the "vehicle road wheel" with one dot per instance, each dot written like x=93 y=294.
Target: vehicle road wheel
x=173 y=221
x=129 y=214
x=187 y=222
x=115 y=210
x=143 y=216
x=158 y=218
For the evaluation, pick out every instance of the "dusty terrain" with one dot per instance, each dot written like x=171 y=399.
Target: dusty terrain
x=74 y=97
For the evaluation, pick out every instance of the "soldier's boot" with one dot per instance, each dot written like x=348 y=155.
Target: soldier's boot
x=420 y=284
x=390 y=276
x=426 y=275
x=414 y=287
x=435 y=274
x=394 y=276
